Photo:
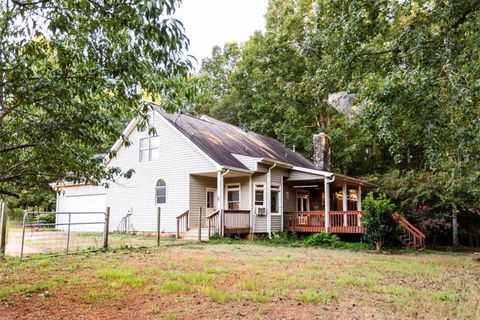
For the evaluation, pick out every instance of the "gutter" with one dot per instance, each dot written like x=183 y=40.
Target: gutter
x=327 y=201
x=269 y=202
x=235 y=169
x=222 y=214
x=278 y=163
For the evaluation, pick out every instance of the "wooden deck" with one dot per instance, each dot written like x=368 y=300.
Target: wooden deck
x=237 y=221
x=314 y=221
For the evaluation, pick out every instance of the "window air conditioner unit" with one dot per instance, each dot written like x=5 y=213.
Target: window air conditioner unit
x=261 y=211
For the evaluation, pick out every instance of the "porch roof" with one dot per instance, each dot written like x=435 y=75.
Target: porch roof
x=301 y=175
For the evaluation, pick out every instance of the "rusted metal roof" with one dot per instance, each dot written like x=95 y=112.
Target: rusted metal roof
x=220 y=140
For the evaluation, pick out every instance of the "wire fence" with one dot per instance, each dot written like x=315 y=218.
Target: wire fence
x=56 y=233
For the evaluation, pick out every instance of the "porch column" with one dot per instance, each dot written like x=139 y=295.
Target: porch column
x=344 y=203
x=268 y=202
x=359 y=205
x=327 y=204
x=220 y=198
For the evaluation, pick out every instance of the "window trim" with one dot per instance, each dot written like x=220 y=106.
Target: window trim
x=158 y=187
x=214 y=197
x=148 y=148
x=259 y=187
x=277 y=189
x=236 y=186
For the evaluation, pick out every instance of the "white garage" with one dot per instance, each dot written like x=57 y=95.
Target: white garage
x=87 y=205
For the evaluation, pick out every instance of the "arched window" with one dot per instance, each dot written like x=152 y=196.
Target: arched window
x=161 y=192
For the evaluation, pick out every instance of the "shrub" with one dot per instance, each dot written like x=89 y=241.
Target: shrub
x=323 y=240
x=46 y=218
x=285 y=238
x=377 y=219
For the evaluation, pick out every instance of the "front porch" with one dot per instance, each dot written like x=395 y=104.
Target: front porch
x=232 y=202
x=314 y=221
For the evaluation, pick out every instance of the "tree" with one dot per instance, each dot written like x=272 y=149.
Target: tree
x=72 y=74
x=377 y=219
x=413 y=67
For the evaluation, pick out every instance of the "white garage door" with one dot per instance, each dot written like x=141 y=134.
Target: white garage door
x=86 y=204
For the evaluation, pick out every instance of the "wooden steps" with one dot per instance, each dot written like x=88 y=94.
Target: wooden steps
x=411 y=237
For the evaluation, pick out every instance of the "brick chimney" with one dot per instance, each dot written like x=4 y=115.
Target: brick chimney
x=321 y=152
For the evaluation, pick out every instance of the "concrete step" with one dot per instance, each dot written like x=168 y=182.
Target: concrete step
x=192 y=234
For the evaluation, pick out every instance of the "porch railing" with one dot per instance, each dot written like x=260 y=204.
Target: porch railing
x=345 y=222
x=237 y=221
x=214 y=223
x=182 y=223
x=306 y=221
x=314 y=221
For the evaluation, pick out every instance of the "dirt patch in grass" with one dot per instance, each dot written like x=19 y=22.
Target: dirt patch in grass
x=231 y=281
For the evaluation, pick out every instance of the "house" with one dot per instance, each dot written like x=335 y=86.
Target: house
x=204 y=172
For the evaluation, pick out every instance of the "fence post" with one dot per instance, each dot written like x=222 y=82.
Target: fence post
x=105 y=231
x=200 y=225
x=159 y=211
x=23 y=234
x=3 y=229
x=68 y=230
x=178 y=231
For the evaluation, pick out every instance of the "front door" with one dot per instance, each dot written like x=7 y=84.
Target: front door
x=303 y=201
x=211 y=197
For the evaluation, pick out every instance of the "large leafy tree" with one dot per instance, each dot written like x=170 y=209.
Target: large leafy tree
x=413 y=67
x=72 y=73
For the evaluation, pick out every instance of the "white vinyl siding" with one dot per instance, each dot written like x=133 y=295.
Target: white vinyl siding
x=137 y=194
x=198 y=187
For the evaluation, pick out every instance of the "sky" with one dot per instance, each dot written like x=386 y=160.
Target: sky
x=213 y=22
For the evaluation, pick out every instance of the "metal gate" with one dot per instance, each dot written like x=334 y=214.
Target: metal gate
x=70 y=231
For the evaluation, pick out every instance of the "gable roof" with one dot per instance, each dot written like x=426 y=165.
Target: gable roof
x=220 y=141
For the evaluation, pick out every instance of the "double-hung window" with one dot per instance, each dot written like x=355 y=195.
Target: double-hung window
x=149 y=149
x=233 y=197
x=275 y=199
x=259 y=195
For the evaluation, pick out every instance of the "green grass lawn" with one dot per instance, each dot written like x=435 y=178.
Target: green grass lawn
x=241 y=280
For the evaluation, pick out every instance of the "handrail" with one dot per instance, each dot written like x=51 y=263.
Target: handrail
x=182 y=222
x=124 y=223
x=183 y=214
x=418 y=237
x=237 y=211
x=351 y=212
x=213 y=213
x=408 y=224
x=214 y=222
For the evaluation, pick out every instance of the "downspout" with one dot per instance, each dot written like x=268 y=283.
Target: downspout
x=327 y=201
x=222 y=213
x=269 y=200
